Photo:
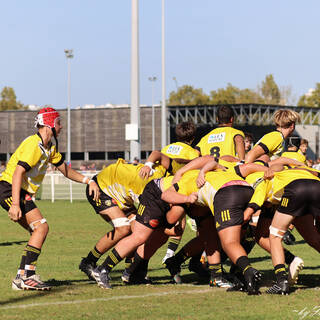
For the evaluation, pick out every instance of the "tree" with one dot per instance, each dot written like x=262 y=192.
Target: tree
x=311 y=99
x=232 y=95
x=188 y=95
x=224 y=96
x=270 y=91
x=9 y=100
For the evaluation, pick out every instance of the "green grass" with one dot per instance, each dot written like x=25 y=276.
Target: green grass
x=74 y=229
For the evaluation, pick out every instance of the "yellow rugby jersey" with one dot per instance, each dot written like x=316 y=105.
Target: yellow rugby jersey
x=34 y=157
x=262 y=189
x=284 y=177
x=272 y=143
x=121 y=181
x=296 y=155
x=179 y=150
x=214 y=181
x=219 y=142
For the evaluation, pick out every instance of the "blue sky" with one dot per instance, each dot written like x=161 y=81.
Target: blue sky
x=209 y=43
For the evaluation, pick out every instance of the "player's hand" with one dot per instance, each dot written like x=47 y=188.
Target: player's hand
x=177 y=177
x=269 y=174
x=247 y=215
x=15 y=213
x=201 y=180
x=94 y=189
x=144 y=172
x=193 y=197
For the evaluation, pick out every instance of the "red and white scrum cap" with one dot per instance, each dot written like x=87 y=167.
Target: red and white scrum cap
x=47 y=117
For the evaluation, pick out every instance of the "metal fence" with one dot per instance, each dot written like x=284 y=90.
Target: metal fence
x=56 y=186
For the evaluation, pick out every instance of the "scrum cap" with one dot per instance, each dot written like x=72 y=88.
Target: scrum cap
x=47 y=117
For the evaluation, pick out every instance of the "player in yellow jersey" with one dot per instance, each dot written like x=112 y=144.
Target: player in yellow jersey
x=21 y=180
x=180 y=153
x=303 y=147
x=229 y=197
x=153 y=215
x=291 y=182
x=120 y=187
x=293 y=153
x=224 y=140
x=272 y=143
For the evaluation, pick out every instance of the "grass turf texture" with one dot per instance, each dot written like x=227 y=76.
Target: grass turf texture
x=74 y=230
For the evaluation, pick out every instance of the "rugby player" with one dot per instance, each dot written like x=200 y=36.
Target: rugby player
x=20 y=182
x=272 y=144
x=120 y=185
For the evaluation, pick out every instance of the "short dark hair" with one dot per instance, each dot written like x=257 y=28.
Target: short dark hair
x=185 y=131
x=224 y=114
x=249 y=136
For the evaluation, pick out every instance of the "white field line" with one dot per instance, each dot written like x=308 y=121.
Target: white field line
x=166 y=293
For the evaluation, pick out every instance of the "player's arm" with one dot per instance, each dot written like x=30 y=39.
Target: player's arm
x=286 y=162
x=78 y=177
x=175 y=214
x=146 y=171
x=248 y=168
x=197 y=163
x=254 y=153
x=15 y=212
x=239 y=144
x=172 y=196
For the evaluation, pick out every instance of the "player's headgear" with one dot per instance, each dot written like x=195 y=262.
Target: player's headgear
x=294 y=141
x=47 y=117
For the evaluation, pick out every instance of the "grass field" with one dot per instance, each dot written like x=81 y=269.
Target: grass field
x=74 y=229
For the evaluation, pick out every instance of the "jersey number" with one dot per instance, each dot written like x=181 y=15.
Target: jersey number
x=215 y=151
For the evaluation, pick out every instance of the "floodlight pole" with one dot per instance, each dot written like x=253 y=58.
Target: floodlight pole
x=153 y=80
x=69 y=56
x=135 y=146
x=163 y=75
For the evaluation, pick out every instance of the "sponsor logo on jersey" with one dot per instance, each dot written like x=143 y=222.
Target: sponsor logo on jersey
x=216 y=137
x=174 y=150
x=154 y=223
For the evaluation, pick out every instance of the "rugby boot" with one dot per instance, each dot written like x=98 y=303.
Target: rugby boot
x=252 y=279
x=281 y=286
x=87 y=267
x=174 y=269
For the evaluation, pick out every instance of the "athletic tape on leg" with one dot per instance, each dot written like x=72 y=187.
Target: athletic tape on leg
x=275 y=232
x=120 y=222
x=35 y=224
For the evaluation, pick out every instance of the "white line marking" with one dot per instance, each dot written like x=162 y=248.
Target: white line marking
x=24 y=306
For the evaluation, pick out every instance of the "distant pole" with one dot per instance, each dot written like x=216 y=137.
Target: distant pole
x=163 y=75
x=69 y=56
x=153 y=80
x=135 y=147
x=176 y=82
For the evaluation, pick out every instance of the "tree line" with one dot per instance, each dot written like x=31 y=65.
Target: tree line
x=268 y=92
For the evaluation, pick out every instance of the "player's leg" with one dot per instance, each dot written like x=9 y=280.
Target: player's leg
x=27 y=270
x=124 y=247
x=108 y=209
x=279 y=225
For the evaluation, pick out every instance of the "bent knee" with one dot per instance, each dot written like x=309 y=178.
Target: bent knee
x=123 y=231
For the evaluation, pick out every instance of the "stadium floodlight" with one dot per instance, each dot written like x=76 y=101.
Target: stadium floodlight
x=69 y=56
x=153 y=80
x=163 y=75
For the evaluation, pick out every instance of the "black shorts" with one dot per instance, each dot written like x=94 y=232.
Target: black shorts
x=301 y=197
x=26 y=202
x=104 y=202
x=229 y=205
x=152 y=210
x=267 y=212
